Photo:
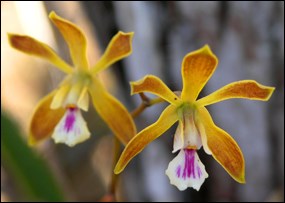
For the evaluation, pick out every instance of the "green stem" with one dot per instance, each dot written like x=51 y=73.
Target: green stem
x=117 y=152
x=146 y=102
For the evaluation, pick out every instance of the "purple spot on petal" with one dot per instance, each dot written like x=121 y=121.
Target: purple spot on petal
x=178 y=171
x=70 y=119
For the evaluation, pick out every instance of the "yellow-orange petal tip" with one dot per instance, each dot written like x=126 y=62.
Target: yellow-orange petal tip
x=131 y=34
x=52 y=14
x=241 y=180
x=117 y=171
x=206 y=50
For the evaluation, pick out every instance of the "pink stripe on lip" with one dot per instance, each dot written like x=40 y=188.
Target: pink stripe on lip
x=70 y=119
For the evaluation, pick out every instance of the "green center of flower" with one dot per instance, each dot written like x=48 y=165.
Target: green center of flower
x=73 y=92
x=186 y=109
x=81 y=76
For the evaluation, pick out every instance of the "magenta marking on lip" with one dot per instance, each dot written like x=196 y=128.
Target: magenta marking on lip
x=189 y=166
x=199 y=171
x=178 y=171
x=70 y=119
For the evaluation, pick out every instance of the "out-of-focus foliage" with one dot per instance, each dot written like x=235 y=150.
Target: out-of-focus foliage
x=30 y=173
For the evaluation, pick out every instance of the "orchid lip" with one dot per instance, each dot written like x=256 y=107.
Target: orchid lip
x=189 y=169
x=70 y=120
x=72 y=128
x=186 y=170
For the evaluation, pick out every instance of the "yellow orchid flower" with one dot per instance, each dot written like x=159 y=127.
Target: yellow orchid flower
x=59 y=113
x=195 y=125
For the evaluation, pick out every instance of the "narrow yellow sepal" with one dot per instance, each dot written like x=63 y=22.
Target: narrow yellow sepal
x=245 y=89
x=197 y=68
x=44 y=120
x=223 y=147
x=167 y=118
x=119 y=47
x=112 y=112
x=34 y=47
x=75 y=39
x=156 y=86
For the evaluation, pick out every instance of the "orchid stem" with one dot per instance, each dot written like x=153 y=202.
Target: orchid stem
x=117 y=152
x=146 y=102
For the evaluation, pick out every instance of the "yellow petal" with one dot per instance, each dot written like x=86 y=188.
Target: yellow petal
x=60 y=96
x=203 y=137
x=119 y=47
x=113 y=112
x=143 y=138
x=83 y=100
x=197 y=69
x=245 y=89
x=32 y=46
x=44 y=119
x=75 y=39
x=154 y=85
x=223 y=147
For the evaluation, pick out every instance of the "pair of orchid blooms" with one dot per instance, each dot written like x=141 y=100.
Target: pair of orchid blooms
x=59 y=113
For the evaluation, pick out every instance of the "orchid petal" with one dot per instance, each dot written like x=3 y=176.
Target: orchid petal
x=34 y=47
x=119 y=47
x=178 y=142
x=113 y=112
x=223 y=147
x=203 y=137
x=60 y=96
x=187 y=134
x=167 y=118
x=186 y=170
x=75 y=39
x=197 y=68
x=192 y=137
x=245 y=89
x=83 y=100
x=154 y=85
x=44 y=119
x=77 y=96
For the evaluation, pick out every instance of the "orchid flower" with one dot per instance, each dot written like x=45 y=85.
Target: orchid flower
x=195 y=125
x=59 y=113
